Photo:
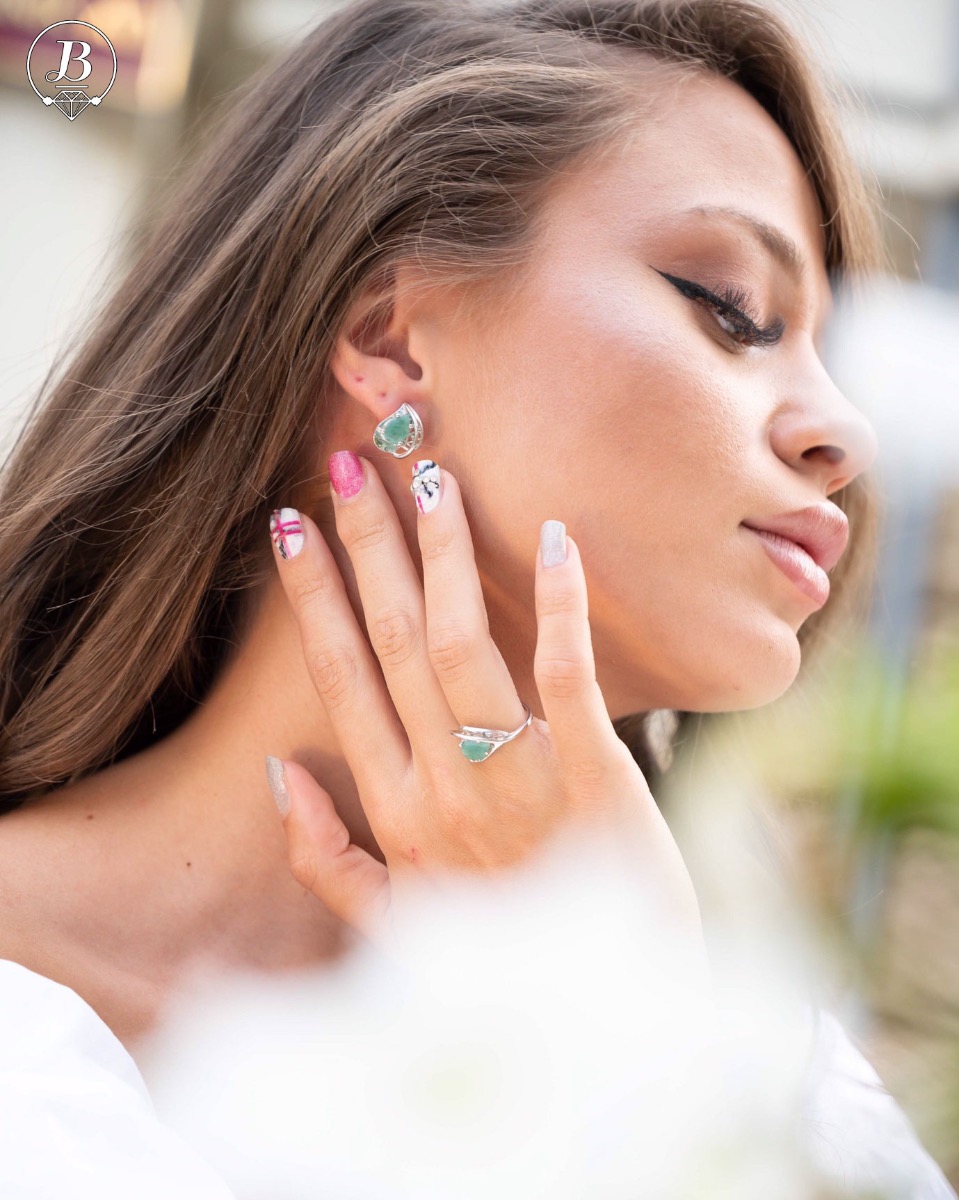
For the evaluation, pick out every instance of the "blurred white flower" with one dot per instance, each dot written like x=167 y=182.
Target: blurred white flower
x=538 y=1040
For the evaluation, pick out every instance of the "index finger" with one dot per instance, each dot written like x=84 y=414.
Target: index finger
x=564 y=666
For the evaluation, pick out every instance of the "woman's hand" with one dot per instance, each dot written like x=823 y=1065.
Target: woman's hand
x=436 y=667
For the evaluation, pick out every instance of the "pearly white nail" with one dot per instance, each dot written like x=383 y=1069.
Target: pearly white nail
x=427 y=485
x=276 y=777
x=552 y=543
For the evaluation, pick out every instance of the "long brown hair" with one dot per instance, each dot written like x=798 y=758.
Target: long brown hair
x=132 y=506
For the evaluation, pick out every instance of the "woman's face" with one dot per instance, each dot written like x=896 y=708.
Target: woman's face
x=602 y=394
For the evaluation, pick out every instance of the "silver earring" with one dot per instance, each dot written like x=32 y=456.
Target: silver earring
x=400 y=433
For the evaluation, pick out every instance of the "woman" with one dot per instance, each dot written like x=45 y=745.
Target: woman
x=589 y=245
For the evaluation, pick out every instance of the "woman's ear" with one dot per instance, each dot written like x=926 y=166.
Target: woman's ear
x=373 y=359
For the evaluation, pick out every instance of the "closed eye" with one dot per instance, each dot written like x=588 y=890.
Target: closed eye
x=732 y=312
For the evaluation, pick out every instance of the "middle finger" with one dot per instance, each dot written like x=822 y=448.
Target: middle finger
x=391 y=595
x=441 y=667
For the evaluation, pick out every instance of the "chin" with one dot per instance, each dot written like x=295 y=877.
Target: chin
x=765 y=672
x=750 y=673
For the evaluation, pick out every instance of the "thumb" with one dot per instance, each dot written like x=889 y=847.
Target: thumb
x=351 y=883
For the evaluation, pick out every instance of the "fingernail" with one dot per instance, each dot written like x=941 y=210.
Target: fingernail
x=276 y=777
x=552 y=543
x=427 y=485
x=346 y=473
x=286 y=530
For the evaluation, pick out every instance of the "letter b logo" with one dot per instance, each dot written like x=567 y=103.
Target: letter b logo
x=67 y=90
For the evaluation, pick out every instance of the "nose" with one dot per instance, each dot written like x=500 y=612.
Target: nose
x=823 y=435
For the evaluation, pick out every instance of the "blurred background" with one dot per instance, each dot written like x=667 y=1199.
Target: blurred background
x=861 y=769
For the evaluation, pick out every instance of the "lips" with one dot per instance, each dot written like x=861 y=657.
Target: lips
x=822 y=530
x=795 y=564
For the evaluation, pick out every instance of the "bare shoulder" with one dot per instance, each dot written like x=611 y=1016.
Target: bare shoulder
x=57 y=908
x=45 y=875
x=25 y=887
x=18 y=931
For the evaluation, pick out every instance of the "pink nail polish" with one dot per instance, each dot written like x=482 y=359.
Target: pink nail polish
x=346 y=473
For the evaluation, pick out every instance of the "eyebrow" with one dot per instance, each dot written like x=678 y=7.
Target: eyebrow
x=779 y=244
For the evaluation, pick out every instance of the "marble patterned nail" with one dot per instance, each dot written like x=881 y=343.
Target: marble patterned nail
x=286 y=530
x=427 y=485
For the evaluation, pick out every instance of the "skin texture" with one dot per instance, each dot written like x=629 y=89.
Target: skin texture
x=592 y=392
x=631 y=417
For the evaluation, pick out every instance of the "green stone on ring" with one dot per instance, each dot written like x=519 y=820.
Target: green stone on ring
x=476 y=750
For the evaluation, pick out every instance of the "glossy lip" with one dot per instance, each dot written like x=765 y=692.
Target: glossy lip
x=796 y=564
x=822 y=530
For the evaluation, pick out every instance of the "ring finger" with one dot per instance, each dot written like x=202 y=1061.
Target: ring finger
x=467 y=662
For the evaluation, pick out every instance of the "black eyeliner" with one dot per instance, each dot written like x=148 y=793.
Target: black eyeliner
x=730 y=306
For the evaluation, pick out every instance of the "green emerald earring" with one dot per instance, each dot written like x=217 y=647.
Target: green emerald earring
x=400 y=433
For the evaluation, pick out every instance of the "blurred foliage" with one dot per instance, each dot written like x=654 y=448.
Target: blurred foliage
x=865 y=761
x=860 y=731
x=904 y=745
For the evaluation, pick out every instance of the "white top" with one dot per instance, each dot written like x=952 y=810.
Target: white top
x=857 y=1135
x=76 y=1119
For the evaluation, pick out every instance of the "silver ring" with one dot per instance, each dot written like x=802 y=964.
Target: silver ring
x=478 y=743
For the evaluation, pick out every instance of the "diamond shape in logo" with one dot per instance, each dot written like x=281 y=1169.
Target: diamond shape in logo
x=71 y=102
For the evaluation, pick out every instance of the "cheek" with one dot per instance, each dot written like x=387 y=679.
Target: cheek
x=628 y=374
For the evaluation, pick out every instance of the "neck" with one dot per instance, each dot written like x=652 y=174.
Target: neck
x=123 y=883
x=175 y=856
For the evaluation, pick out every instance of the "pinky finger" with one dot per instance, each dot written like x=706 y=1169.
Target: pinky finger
x=352 y=884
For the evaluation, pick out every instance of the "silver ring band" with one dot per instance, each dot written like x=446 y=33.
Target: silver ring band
x=478 y=743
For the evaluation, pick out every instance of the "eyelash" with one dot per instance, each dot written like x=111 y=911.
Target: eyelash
x=733 y=304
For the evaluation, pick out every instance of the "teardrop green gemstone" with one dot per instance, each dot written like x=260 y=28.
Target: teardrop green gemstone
x=397 y=428
x=476 y=751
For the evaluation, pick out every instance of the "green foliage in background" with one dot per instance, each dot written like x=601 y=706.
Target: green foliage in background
x=902 y=745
